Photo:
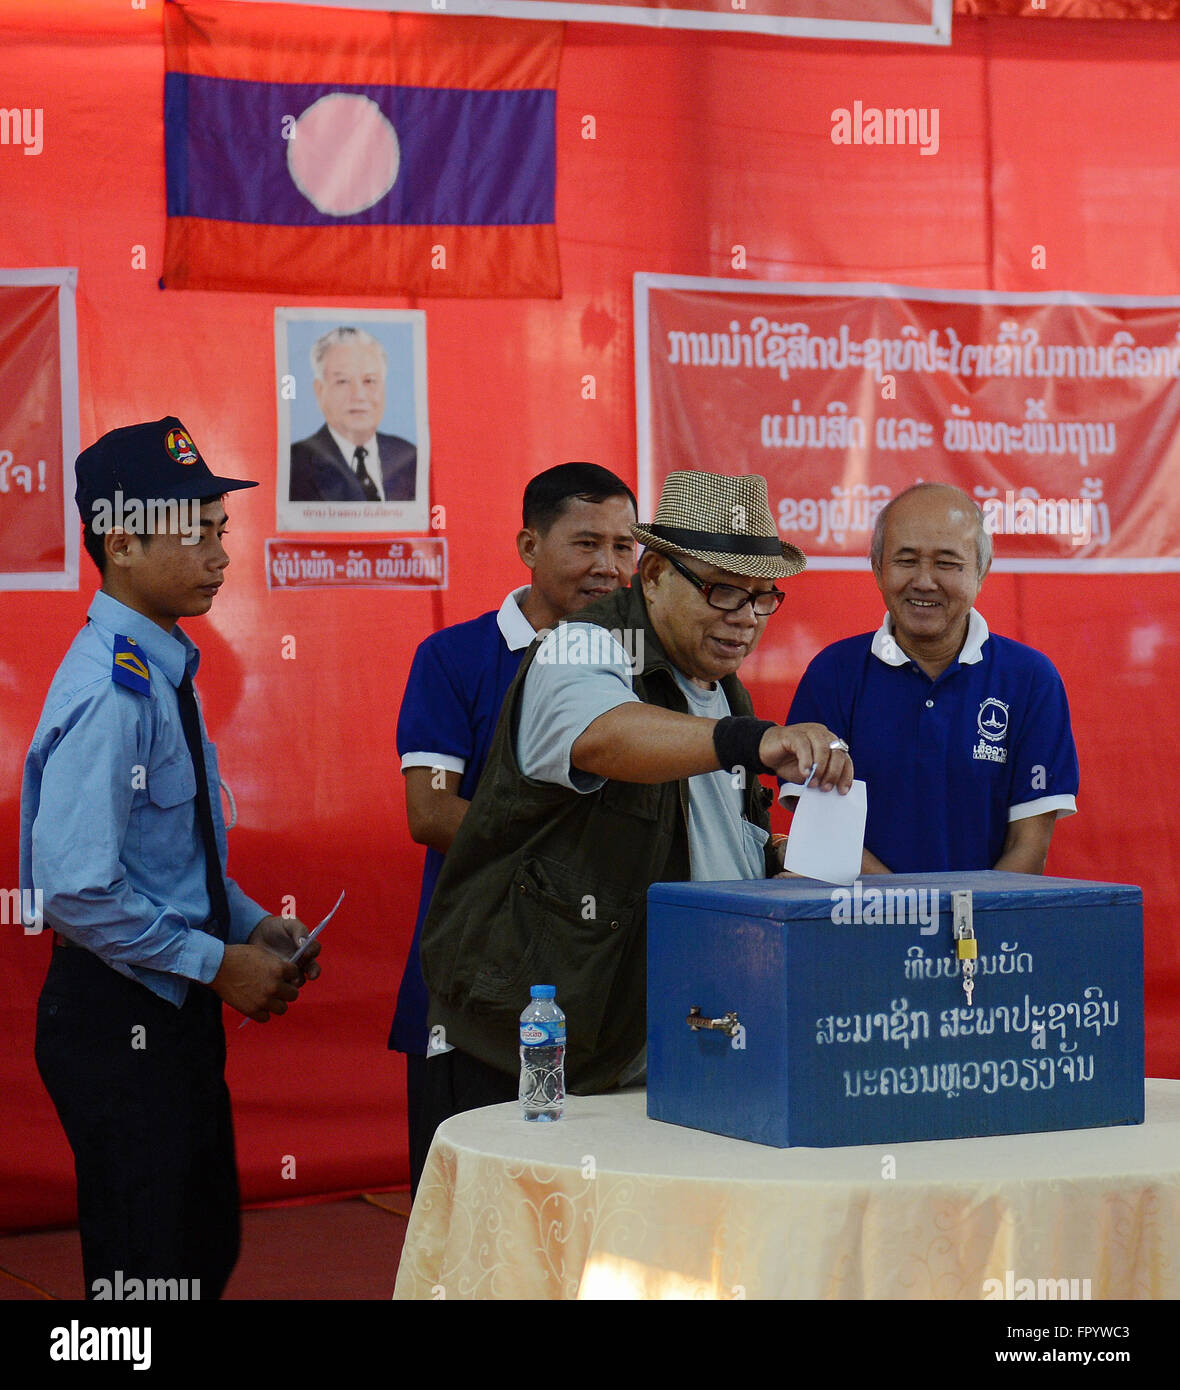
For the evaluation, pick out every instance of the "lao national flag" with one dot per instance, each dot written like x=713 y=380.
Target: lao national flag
x=325 y=151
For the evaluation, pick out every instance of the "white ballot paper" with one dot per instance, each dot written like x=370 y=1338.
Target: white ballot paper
x=828 y=833
x=318 y=929
x=311 y=937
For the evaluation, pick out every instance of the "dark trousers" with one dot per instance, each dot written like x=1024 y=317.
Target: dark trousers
x=139 y=1086
x=454 y=1082
x=418 y=1142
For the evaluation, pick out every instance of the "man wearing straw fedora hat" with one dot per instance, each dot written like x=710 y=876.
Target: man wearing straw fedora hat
x=627 y=753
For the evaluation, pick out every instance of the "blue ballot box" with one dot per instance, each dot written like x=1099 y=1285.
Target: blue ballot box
x=852 y=1023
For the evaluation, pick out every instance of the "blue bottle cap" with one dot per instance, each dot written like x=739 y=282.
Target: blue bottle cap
x=543 y=992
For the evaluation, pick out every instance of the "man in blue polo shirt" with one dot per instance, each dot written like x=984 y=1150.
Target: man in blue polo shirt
x=962 y=737
x=576 y=540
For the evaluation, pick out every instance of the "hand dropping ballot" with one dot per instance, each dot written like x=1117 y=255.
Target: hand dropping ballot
x=828 y=832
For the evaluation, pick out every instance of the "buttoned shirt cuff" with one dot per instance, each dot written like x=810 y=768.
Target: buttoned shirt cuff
x=244 y=913
x=200 y=956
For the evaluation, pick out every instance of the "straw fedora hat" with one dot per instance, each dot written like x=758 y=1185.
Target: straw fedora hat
x=723 y=521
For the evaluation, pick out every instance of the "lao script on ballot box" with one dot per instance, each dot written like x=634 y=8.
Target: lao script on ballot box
x=927 y=1041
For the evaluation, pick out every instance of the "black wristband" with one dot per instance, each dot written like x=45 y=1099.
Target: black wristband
x=736 y=739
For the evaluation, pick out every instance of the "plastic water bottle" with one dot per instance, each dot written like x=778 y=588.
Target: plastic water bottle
x=542 y=1056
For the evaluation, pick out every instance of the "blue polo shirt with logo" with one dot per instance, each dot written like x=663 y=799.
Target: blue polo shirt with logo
x=948 y=763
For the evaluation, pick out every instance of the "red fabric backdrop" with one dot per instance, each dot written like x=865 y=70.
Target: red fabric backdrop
x=1060 y=135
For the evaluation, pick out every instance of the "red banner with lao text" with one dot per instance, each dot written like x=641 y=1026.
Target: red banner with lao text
x=1058 y=414
x=395 y=562
x=38 y=430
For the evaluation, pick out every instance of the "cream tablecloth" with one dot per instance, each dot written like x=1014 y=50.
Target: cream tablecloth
x=607 y=1203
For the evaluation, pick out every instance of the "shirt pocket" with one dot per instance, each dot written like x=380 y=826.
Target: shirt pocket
x=754 y=840
x=167 y=820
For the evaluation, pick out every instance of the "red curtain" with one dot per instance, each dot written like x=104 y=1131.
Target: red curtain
x=1062 y=137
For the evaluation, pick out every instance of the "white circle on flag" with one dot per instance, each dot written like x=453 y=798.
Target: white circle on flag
x=343 y=154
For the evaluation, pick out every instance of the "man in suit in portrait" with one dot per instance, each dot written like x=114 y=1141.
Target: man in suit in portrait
x=347 y=460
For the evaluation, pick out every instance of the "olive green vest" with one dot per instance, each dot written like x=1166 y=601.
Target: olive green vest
x=544 y=885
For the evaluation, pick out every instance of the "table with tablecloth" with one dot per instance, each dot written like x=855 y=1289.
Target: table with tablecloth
x=609 y=1204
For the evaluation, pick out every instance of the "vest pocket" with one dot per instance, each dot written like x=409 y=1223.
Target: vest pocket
x=564 y=932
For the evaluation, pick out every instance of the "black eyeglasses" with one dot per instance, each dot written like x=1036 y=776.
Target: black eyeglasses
x=728 y=597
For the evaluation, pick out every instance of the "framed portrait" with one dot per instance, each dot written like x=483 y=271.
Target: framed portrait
x=353 y=429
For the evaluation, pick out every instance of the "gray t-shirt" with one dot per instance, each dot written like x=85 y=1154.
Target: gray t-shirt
x=579 y=673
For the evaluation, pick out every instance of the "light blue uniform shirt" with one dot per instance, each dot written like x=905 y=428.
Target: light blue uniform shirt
x=109 y=832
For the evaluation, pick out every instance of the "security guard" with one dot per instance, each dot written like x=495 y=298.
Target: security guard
x=123 y=838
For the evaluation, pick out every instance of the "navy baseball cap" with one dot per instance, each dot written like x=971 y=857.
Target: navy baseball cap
x=154 y=460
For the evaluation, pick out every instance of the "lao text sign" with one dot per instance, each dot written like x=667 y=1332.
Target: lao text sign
x=1059 y=414
x=389 y=563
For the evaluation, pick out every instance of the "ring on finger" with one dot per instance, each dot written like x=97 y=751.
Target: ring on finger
x=840 y=744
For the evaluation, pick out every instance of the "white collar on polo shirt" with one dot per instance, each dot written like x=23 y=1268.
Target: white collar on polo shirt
x=515 y=628
x=885 y=648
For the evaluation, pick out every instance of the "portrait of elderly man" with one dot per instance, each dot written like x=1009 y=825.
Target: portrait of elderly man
x=962 y=737
x=347 y=460
x=627 y=753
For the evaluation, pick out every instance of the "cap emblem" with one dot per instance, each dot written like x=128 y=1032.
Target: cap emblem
x=180 y=447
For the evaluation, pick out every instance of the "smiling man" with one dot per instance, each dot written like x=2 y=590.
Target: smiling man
x=962 y=737
x=575 y=540
x=607 y=774
x=347 y=460
x=122 y=835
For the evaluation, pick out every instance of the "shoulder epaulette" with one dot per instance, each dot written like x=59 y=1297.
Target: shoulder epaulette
x=129 y=668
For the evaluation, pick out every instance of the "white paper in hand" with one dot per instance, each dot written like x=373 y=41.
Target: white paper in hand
x=828 y=834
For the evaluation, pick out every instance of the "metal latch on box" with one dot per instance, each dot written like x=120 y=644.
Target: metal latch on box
x=728 y=1024
x=963 y=930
